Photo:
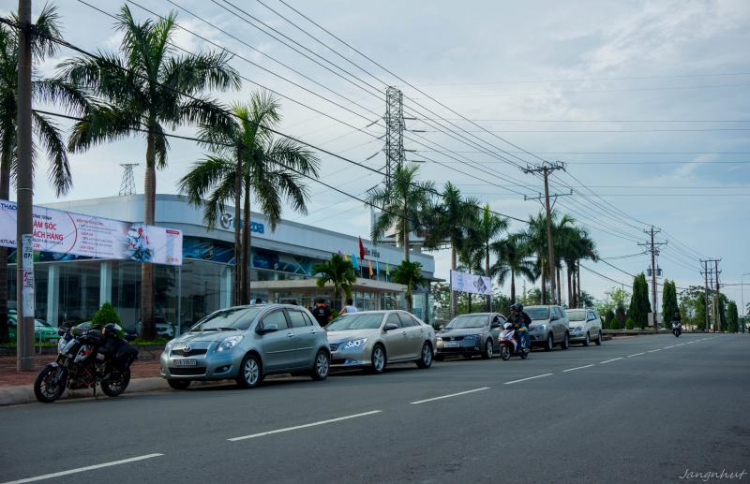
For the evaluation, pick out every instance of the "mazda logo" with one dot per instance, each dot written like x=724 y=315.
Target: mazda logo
x=226 y=221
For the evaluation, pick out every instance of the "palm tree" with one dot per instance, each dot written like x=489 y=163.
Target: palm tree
x=535 y=237
x=512 y=259
x=410 y=275
x=566 y=237
x=449 y=220
x=482 y=234
x=585 y=250
x=249 y=161
x=403 y=202
x=47 y=133
x=144 y=90
x=340 y=273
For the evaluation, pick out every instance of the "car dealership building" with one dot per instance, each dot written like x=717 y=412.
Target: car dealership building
x=71 y=288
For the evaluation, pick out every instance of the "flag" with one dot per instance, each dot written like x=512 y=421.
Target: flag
x=355 y=263
x=377 y=270
x=387 y=270
x=340 y=253
x=369 y=263
x=346 y=258
x=361 y=249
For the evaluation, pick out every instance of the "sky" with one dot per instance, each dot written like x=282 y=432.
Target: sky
x=646 y=101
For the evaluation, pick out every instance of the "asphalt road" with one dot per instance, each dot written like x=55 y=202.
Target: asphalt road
x=646 y=409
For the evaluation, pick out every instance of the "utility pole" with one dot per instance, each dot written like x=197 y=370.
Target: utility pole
x=705 y=273
x=127 y=187
x=712 y=271
x=25 y=197
x=717 y=316
x=653 y=247
x=546 y=168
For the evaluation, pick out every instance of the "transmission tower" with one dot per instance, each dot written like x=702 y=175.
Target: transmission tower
x=127 y=187
x=394 y=132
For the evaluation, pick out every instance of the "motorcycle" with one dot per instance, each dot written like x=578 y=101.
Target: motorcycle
x=676 y=328
x=87 y=358
x=509 y=345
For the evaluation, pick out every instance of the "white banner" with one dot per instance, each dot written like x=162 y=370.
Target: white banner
x=465 y=282
x=86 y=235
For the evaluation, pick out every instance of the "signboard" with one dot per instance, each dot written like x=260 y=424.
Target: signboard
x=226 y=220
x=471 y=283
x=86 y=235
x=27 y=267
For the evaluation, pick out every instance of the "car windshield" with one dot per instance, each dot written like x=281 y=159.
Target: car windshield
x=468 y=321
x=538 y=313
x=232 y=318
x=577 y=314
x=353 y=322
x=41 y=324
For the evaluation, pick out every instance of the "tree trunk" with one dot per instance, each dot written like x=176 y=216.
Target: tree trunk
x=578 y=285
x=5 y=195
x=557 y=286
x=574 y=286
x=238 y=260
x=148 y=329
x=454 y=295
x=570 y=287
x=469 y=294
x=512 y=286
x=487 y=273
x=544 y=285
x=246 y=254
x=406 y=238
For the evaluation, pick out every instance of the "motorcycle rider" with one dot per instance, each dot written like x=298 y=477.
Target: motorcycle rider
x=676 y=319
x=521 y=322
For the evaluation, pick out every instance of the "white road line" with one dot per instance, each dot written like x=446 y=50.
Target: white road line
x=298 y=427
x=450 y=396
x=579 y=368
x=529 y=378
x=654 y=351
x=610 y=361
x=84 y=469
x=637 y=354
x=667 y=347
x=681 y=344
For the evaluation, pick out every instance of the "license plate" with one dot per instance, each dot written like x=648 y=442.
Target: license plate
x=186 y=362
x=451 y=344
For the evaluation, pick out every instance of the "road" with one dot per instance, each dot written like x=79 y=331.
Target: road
x=644 y=409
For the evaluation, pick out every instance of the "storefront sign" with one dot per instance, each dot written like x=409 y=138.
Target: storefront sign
x=471 y=283
x=86 y=235
x=226 y=220
x=27 y=268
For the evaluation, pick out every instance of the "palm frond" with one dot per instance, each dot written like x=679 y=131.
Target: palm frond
x=51 y=138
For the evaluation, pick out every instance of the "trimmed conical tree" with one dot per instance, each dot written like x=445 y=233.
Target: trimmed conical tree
x=640 y=305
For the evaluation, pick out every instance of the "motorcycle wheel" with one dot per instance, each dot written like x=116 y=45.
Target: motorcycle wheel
x=116 y=384
x=505 y=352
x=50 y=384
x=524 y=355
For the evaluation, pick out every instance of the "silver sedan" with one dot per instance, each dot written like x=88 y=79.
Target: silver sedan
x=374 y=339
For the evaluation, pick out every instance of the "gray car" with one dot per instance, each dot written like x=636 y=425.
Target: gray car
x=470 y=334
x=374 y=339
x=549 y=327
x=246 y=343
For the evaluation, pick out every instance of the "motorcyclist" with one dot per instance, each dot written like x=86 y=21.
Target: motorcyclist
x=676 y=320
x=521 y=322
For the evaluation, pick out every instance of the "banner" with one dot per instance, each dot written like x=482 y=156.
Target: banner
x=86 y=235
x=465 y=282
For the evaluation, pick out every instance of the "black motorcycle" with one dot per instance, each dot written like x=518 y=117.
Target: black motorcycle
x=86 y=358
x=676 y=328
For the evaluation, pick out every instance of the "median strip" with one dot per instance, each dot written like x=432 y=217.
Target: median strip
x=84 y=469
x=529 y=378
x=299 y=427
x=578 y=368
x=637 y=354
x=450 y=396
x=610 y=361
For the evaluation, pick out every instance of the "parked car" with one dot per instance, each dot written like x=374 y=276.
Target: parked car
x=246 y=343
x=471 y=334
x=549 y=327
x=43 y=331
x=375 y=339
x=585 y=326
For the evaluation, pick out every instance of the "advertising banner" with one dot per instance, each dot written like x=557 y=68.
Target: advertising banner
x=86 y=235
x=474 y=284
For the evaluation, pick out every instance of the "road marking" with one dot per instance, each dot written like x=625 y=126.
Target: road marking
x=84 y=469
x=298 y=427
x=450 y=396
x=681 y=344
x=637 y=354
x=667 y=347
x=654 y=351
x=529 y=378
x=579 y=368
x=610 y=361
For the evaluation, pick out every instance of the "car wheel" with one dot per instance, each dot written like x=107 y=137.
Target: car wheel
x=251 y=372
x=587 y=341
x=550 y=343
x=179 y=384
x=566 y=342
x=321 y=366
x=378 y=359
x=425 y=357
x=488 y=350
x=599 y=338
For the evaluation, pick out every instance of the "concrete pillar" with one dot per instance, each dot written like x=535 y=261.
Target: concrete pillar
x=53 y=293
x=105 y=283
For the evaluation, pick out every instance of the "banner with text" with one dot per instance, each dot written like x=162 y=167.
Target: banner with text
x=86 y=235
x=475 y=284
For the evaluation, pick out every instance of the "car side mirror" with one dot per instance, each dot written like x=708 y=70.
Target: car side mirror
x=390 y=326
x=267 y=328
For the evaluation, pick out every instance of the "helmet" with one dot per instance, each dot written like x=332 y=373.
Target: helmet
x=508 y=326
x=110 y=330
x=516 y=307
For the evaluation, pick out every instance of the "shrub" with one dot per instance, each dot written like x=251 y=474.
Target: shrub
x=105 y=314
x=630 y=324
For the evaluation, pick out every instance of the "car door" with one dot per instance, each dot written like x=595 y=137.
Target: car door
x=414 y=335
x=559 y=326
x=279 y=347
x=594 y=323
x=305 y=335
x=396 y=340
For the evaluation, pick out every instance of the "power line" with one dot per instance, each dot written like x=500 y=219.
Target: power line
x=552 y=131
x=585 y=79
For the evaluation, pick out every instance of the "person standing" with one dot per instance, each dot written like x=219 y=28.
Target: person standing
x=350 y=308
x=322 y=313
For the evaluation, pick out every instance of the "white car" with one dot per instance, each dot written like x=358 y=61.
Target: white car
x=549 y=327
x=585 y=326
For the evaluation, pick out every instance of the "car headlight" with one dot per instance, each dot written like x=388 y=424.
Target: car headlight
x=471 y=337
x=169 y=345
x=229 y=343
x=540 y=327
x=356 y=343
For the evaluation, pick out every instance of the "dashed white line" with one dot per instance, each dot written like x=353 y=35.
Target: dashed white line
x=667 y=347
x=654 y=351
x=529 y=378
x=610 y=361
x=578 y=368
x=450 y=396
x=298 y=427
x=681 y=344
x=84 y=469
x=637 y=354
